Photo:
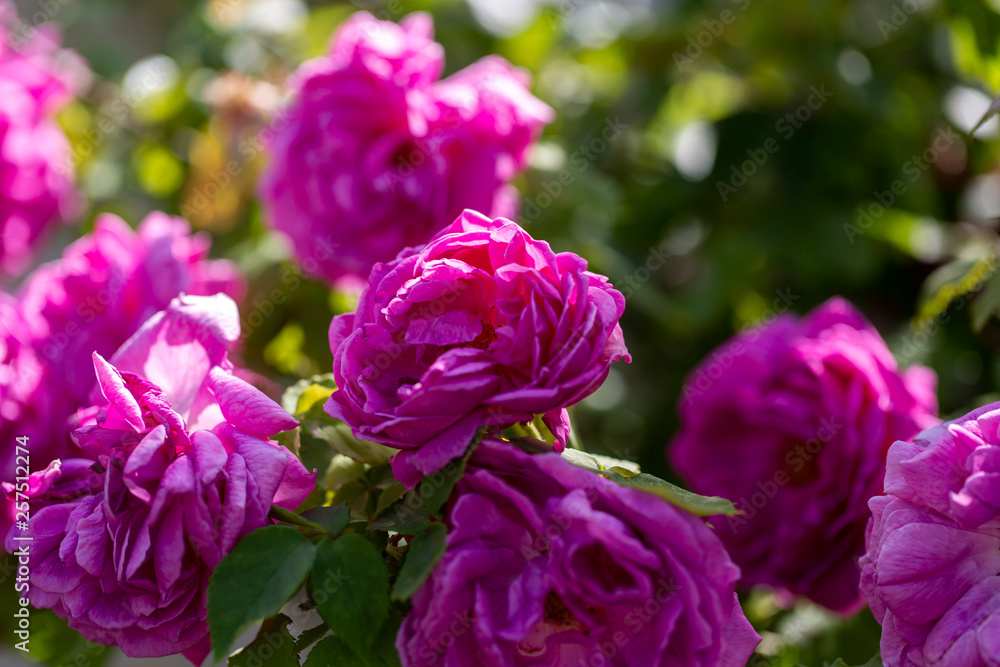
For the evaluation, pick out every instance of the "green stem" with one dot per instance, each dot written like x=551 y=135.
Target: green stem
x=281 y=514
x=533 y=430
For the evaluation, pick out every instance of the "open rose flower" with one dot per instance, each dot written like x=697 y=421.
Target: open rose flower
x=548 y=564
x=36 y=169
x=375 y=154
x=93 y=298
x=932 y=570
x=123 y=544
x=792 y=421
x=483 y=326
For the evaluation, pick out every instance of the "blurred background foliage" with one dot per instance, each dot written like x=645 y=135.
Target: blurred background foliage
x=775 y=152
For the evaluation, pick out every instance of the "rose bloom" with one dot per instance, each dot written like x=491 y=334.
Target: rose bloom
x=23 y=398
x=792 y=420
x=93 y=298
x=37 y=78
x=932 y=570
x=376 y=154
x=123 y=543
x=483 y=326
x=550 y=564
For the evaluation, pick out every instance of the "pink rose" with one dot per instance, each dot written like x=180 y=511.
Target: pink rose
x=37 y=78
x=483 y=326
x=123 y=543
x=375 y=154
x=93 y=298
x=791 y=421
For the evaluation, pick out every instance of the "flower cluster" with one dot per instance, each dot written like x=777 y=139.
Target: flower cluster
x=482 y=327
x=92 y=299
x=376 y=154
x=792 y=421
x=932 y=570
x=482 y=542
x=36 y=176
x=550 y=564
x=180 y=468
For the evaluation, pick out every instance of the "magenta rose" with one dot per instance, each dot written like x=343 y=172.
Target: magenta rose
x=181 y=468
x=482 y=327
x=375 y=154
x=36 y=169
x=550 y=564
x=93 y=298
x=932 y=570
x=24 y=398
x=791 y=420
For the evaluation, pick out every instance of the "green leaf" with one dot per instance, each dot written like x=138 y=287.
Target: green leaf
x=436 y=488
x=342 y=470
x=600 y=464
x=582 y=460
x=421 y=558
x=339 y=438
x=675 y=495
x=273 y=646
x=287 y=516
x=304 y=394
x=408 y=516
x=310 y=637
x=333 y=519
x=350 y=584
x=390 y=495
x=334 y=651
x=259 y=575
x=289 y=440
x=951 y=281
x=986 y=304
